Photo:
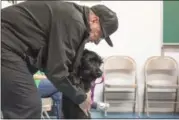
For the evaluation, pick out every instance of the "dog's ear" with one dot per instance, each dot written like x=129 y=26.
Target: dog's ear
x=99 y=59
x=102 y=60
x=85 y=51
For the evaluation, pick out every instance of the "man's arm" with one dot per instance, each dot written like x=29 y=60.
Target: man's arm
x=61 y=52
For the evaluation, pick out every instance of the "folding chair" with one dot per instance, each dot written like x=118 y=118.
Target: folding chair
x=46 y=107
x=161 y=76
x=120 y=84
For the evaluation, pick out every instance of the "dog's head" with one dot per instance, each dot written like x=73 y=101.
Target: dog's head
x=89 y=69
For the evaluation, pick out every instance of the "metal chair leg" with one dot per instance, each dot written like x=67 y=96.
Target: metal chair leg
x=134 y=102
x=42 y=116
x=138 y=101
x=144 y=100
x=46 y=114
x=105 y=112
x=175 y=104
x=147 y=102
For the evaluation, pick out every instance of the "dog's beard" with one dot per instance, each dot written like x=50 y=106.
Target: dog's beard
x=88 y=74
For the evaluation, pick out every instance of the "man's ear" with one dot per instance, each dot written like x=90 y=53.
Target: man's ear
x=95 y=19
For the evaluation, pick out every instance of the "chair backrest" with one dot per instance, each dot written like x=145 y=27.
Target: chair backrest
x=161 y=68
x=119 y=69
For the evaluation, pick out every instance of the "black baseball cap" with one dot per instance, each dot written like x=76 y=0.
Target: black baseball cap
x=108 y=21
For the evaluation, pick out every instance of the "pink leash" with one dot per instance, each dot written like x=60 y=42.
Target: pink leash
x=93 y=87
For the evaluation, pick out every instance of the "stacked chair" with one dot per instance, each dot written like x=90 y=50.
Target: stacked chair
x=161 y=85
x=120 y=84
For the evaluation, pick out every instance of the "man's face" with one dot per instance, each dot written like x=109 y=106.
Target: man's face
x=95 y=33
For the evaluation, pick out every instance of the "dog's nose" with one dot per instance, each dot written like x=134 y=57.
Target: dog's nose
x=99 y=73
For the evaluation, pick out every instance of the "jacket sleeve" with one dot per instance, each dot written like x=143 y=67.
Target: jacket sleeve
x=63 y=39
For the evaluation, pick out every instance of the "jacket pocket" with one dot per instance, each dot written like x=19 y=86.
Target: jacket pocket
x=30 y=63
x=38 y=62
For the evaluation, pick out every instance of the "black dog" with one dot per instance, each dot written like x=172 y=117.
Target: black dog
x=88 y=71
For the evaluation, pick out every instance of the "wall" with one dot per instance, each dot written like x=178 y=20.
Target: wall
x=139 y=34
x=5 y=4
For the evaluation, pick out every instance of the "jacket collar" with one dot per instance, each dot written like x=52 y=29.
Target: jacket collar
x=86 y=12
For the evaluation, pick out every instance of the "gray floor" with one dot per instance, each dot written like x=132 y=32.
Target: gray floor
x=99 y=115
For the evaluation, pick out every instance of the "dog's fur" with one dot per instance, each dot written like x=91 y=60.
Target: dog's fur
x=88 y=72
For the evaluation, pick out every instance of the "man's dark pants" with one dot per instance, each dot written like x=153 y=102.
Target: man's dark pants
x=19 y=95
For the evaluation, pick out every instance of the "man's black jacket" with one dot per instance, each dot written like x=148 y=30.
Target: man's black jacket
x=49 y=36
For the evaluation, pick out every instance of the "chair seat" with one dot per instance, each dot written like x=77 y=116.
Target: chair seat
x=46 y=104
x=161 y=84
x=120 y=83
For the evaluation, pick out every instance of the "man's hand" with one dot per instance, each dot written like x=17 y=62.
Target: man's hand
x=86 y=105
